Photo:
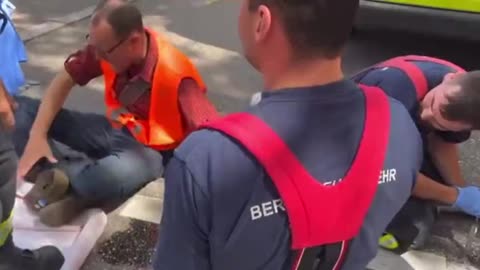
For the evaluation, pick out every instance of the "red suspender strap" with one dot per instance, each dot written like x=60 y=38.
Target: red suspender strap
x=412 y=71
x=318 y=214
x=434 y=60
x=415 y=74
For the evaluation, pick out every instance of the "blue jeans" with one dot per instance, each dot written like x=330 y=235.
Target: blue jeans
x=118 y=165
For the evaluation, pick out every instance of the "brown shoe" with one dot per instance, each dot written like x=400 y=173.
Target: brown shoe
x=50 y=186
x=62 y=212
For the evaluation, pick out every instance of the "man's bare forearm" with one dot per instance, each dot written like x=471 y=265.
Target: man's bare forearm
x=428 y=189
x=446 y=158
x=4 y=95
x=52 y=102
x=7 y=106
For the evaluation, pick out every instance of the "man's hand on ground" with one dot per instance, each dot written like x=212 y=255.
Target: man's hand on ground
x=7 y=108
x=36 y=148
x=469 y=200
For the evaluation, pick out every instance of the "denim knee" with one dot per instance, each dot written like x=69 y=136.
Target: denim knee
x=27 y=107
x=116 y=178
x=24 y=117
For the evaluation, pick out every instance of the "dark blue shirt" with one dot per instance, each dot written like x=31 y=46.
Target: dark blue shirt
x=222 y=211
x=398 y=86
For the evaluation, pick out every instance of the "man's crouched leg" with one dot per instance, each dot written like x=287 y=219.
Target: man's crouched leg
x=53 y=199
x=104 y=183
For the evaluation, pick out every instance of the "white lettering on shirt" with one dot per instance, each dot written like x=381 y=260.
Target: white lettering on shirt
x=276 y=206
x=387 y=176
x=266 y=209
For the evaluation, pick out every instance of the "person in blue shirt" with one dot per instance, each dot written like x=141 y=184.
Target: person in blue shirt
x=445 y=116
x=222 y=210
x=12 y=53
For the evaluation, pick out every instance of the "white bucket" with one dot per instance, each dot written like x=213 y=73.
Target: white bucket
x=75 y=240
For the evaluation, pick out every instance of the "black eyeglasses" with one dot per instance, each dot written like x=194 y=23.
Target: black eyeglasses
x=109 y=51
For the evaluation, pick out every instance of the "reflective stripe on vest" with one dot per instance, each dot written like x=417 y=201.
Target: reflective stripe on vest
x=6 y=228
x=318 y=214
x=118 y=113
x=125 y=118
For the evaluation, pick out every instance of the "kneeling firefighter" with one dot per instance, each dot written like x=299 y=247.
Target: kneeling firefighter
x=11 y=257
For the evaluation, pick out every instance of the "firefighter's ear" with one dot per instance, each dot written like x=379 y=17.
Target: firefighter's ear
x=263 y=22
x=450 y=76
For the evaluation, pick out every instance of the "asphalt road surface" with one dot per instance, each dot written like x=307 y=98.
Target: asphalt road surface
x=209 y=36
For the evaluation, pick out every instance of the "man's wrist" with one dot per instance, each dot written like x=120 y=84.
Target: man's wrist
x=36 y=132
x=460 y=183
x=451 y=195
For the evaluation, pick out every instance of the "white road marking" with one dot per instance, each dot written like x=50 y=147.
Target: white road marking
x=425 y=261
x=143 y=208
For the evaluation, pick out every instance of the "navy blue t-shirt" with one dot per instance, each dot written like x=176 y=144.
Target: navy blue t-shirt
x=222 y=211
x=398 y=86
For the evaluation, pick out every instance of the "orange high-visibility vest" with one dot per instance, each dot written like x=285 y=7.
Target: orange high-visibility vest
x=163 y=130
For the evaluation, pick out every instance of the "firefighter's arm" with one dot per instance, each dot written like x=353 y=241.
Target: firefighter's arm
x=446 y=158
x=467 y=199
x=183 y=237
x=428 y=189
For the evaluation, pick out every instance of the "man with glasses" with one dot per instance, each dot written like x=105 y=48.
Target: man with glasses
x=12 y=52
x=154 y=97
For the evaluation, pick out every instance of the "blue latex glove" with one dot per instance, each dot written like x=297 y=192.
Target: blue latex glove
x=468 y=200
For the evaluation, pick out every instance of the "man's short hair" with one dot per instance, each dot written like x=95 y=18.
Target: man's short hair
x=314 y=27
x=124 y=18
x=464 y=106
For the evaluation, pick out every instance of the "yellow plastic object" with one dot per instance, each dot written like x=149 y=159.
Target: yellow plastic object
x=388 y=241
x=5 y=229
x=456 y=5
